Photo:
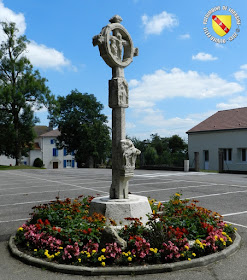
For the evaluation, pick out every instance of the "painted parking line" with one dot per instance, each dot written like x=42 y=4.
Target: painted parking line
x=176 y=188
x=235 y=224
x=18 y=220
x=215 y=194
x=62 y=183
x=234 y=214
x=153 y=175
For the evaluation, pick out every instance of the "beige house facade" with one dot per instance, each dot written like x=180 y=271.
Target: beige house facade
x=220 y=142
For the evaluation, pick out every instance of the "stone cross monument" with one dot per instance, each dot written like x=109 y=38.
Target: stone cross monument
x=117 y=50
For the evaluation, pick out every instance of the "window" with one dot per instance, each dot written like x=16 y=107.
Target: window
x=68 y=163
x=206 y=155
x=243 y=154
x=227 y=154
x=55 y=152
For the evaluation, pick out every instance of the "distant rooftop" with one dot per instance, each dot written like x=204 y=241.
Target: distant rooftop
x=223 y=120
x=41 y=129
x=52 y=133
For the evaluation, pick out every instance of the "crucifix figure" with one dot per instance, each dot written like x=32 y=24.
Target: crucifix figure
x=117 y=50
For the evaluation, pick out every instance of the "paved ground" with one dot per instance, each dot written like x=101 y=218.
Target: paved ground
x=21 y=190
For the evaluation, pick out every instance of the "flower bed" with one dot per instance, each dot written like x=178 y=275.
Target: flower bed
x=63 y=232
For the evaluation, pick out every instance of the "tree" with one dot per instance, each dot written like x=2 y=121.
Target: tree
x=83 y=127
x=177 y=144
x=21 y=90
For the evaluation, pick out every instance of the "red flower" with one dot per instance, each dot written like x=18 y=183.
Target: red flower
x=47 y=223
x=89 y=230
x=40 y=222
x=84 y=231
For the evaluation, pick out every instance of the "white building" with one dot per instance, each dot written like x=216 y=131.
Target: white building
x=220 y=141
x=45 y=149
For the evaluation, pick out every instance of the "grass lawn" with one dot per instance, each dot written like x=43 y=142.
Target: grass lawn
x=7 y=167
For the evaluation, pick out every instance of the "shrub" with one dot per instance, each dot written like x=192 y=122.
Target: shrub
x=38 y=162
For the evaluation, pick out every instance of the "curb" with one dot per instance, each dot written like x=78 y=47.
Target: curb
x=122 y=270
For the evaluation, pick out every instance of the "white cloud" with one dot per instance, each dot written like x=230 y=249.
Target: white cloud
x=184 y=36
x=39 y=55
x=157 y=23
x=236 y=102
x=177 y=83
x=204 y=57
x=8 y=15
x=44 y=57
x=242 y=74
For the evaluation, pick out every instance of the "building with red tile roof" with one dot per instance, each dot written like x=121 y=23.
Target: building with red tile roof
x=220 y=141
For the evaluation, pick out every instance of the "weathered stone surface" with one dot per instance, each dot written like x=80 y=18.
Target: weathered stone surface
x=118 y=93
x=135 y=206
x=110 y=235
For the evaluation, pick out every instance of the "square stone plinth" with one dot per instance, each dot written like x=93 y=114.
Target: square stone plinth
x=135 y=206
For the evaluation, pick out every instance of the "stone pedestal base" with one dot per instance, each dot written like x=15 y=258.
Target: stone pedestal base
x=117 y=209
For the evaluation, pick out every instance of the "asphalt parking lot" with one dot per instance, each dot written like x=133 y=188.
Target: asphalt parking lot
x=20 y=190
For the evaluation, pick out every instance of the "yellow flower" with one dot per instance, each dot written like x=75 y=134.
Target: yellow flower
x=102 y=257
x=35 y=250
x=134 y=256
x=20 y=229
x=93 y=251
x=88 y=255
x=99 y=259
x=129 y=259
x=186 y=247
x=216 y=237
x=103 y=263
x=153 y=211
x=159 y=204
x=182 y=255
x=222 y=240
x=129 y=253
x=177 y=194
x=189 y=259
x=60 y=248
x=235 y=229
x=79 y=260
x=103 y=250
x=193 y=254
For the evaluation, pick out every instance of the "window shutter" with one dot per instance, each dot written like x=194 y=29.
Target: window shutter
x=65 y=152
x=73 y=163
x=73 y=153
x=52 y=141
x=64 y=163
x=54 y=152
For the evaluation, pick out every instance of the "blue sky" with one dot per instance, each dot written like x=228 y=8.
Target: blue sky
x=179 y=78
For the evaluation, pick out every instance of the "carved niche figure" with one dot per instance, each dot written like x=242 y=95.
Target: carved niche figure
x=129 y=153
x=118 y=93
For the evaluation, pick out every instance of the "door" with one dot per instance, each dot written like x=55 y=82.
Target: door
x=55 y=165
x=206 y=160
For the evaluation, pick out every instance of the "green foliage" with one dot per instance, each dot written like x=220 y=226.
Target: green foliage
x=168 y=151
x=150 y=155
x=38 y=162
x=83 y=127
x=21 y=90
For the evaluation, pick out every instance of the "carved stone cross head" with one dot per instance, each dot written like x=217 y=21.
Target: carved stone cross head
x=115 y=44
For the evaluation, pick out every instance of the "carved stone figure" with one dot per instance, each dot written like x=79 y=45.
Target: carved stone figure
x=129 y=154
x=118 y=93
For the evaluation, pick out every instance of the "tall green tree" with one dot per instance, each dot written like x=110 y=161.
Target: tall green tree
x=83 y=127
x=21 y=90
